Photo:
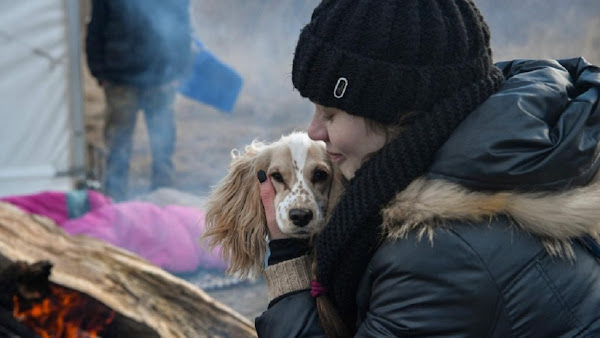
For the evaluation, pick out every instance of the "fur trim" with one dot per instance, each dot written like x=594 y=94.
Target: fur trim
x=556 y=217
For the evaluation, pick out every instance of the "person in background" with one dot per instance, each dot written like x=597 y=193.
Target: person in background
x=138 y=50
x=472 y=203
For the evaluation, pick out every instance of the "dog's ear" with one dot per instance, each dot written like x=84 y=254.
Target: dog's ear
x=235 y=217
x=338 y=184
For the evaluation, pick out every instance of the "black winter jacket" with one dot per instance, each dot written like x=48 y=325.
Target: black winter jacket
x=139 y=42
x=488 y=243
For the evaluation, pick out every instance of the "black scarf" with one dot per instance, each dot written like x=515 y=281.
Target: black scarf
x=347 y=243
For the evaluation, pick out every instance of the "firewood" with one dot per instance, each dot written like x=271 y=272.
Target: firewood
x=133 y=287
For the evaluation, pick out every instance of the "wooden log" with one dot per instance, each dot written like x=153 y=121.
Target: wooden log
x=119 y=279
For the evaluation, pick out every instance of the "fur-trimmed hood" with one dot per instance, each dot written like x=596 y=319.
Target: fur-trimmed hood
x=556 y=217
x=529 y=152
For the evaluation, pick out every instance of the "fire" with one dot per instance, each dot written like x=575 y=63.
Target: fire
x=64 y=314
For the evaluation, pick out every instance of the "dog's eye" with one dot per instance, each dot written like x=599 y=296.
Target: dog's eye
x=277 y=177
x=319 y=176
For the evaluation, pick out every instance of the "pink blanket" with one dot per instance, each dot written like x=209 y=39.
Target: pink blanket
x=53 y=204
x=166 y=236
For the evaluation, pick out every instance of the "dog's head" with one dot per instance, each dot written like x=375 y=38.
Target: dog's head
x=302 y=175
x=306 y=187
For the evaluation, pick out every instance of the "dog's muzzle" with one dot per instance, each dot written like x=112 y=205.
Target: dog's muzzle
x=301 y=217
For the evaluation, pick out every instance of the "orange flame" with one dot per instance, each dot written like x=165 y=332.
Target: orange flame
x=64 y=314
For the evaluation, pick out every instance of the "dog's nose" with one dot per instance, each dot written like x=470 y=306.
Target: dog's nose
x=301 y=217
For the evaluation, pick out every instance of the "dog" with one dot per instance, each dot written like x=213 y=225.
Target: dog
x=306 y=183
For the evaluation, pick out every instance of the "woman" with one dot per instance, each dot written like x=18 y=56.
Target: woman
x=471 y=203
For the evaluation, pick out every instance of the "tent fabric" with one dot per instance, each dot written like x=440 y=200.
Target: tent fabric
x=36 y=126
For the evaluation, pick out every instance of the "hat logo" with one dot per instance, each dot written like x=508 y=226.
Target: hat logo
x=340 y=87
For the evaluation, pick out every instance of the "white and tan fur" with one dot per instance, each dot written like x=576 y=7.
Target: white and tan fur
x=555 y=217
x=305 y=183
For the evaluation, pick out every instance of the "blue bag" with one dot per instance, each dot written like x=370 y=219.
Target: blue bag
x=211 y=81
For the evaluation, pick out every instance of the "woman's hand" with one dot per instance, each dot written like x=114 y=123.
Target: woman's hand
x=267 y=195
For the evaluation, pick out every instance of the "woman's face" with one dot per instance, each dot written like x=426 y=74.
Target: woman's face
x=349 y=141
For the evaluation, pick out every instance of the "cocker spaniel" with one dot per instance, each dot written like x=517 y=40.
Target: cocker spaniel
x=306 y=187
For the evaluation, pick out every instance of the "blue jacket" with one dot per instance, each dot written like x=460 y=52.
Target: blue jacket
x=139 y=42
x=489 y=243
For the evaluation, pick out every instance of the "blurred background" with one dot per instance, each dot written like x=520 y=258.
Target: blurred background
x=42 y=138
x=257 y=38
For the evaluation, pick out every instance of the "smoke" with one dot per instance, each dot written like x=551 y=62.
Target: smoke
x=146 y=42
x=257 y=39
x=543 y=28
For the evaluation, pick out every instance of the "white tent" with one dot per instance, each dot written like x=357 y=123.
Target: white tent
x=42 y=140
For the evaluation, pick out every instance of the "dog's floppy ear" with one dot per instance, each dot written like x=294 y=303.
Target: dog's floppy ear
x=235 y=217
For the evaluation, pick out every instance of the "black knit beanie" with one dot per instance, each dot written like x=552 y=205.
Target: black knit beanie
x=381 y=59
